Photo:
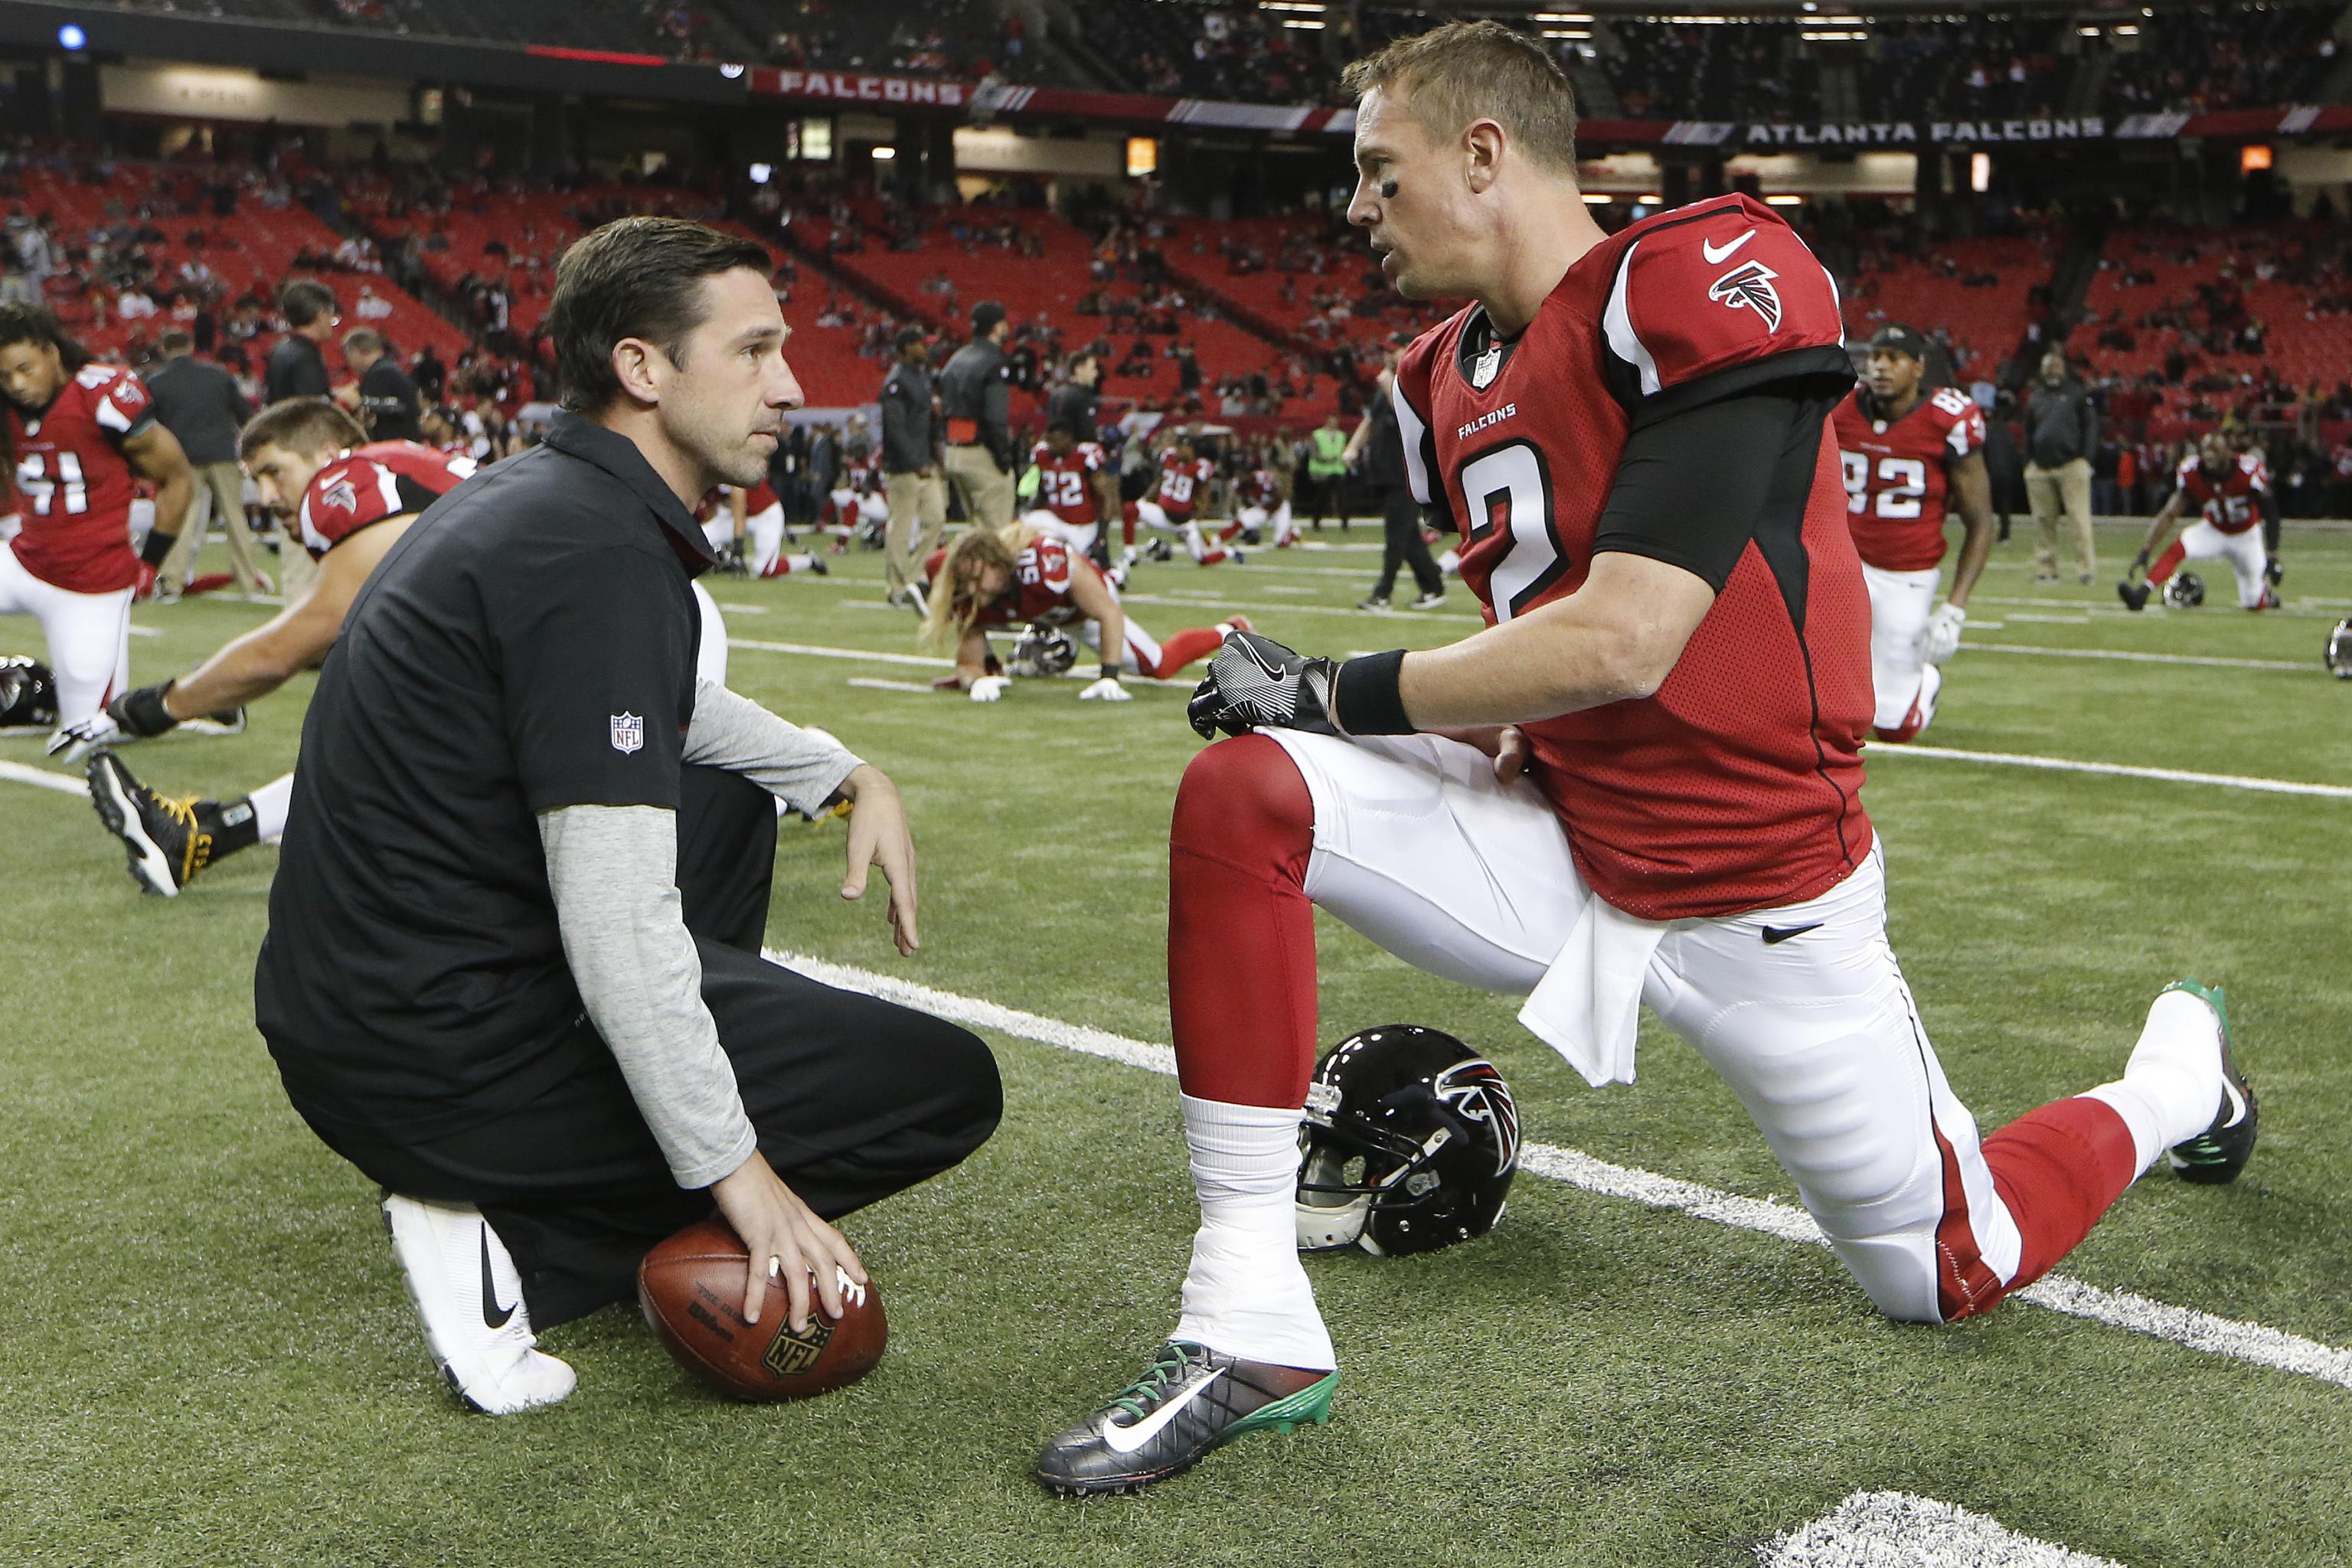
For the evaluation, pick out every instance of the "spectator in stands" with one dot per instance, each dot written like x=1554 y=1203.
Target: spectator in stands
x=388 y=401
x=912 y=480
x=2062 y=437
x=199 y=403
x=297 y=368
x=973 y=396
x=372 y=306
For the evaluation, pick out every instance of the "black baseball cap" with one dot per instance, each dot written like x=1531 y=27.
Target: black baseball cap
x=984 y=317
x=1902 y=339
x=907 y=335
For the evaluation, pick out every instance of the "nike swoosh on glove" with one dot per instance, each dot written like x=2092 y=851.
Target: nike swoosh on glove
x=1106 y=690
x=989 y=687
x=1255 y=681
x=1942 y=637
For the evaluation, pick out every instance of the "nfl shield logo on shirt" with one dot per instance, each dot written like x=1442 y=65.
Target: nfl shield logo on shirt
x=1483 y=368
x=628 y=732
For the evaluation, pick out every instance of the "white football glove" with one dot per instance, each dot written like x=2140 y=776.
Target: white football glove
x=1942 y=637
x=1107 y=690
x=989 y=687
x=77 y=740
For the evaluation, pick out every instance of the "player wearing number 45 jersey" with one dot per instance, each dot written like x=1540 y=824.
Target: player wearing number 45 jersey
x=2230 y=491
x=1640 y=783
x=78 y=433
x=1912 y=453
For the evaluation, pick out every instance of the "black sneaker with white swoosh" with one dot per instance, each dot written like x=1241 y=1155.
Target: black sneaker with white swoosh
x=2217 y=1154
x=1191 y=1399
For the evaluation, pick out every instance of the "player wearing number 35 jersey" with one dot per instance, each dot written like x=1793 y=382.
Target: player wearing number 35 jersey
x=1640 y=783
x=1913 y=453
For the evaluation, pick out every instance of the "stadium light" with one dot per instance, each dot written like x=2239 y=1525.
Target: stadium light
x=761 y=173
x=2252 y=156
x=2088 y=32
x=1595 y=199
x=1561 y=17
x=1784 y=200
x=2127 y=32
x=730 y=71
x=1568 y=32
x=1295 y=22
x=1654 y=199
x=71 y=38
x=1980 y=171
x=883 y=154
x=1313 y=6
x=1842 y=37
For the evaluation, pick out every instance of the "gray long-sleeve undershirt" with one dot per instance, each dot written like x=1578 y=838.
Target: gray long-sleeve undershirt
x=614 y=873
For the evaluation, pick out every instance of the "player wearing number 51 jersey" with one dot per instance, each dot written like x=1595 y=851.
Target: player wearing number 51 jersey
x=1638 y=785
x=1913 y=453
x=79 y=434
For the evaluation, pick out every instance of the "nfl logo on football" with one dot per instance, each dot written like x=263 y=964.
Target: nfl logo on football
x=628 y=732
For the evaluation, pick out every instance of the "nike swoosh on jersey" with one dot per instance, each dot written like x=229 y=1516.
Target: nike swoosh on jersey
x=1775 y=935
x=1708 y=247
x=1127 y=1439
x=493 y=1315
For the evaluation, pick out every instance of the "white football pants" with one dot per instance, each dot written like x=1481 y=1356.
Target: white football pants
x=2200 y=540
x=1900 y=605
x=88 y=637
x=1418 y=847
x=1080 y=539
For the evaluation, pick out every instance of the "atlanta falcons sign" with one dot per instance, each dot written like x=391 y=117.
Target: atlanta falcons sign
x=1749 y=287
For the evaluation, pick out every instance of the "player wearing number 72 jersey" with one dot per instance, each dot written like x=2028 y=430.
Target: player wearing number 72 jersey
x=1639 y=784
x=1912 y=454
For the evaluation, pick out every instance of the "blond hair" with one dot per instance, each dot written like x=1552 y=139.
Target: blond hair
x=1468 y=71
x=954 y=605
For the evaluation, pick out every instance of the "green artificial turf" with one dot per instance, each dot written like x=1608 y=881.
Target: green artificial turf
x=209 y=1358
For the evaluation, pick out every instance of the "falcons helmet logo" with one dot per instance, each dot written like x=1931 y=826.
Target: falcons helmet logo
x=342 y=495
x=1749 y=287
x=1477 y=1093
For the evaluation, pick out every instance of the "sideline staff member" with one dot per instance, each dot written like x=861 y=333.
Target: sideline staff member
x=974 y=393
x=513 y=971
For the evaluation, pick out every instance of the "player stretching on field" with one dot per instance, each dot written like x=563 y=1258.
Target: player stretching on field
x=1172 y=505
x=350 y=499
x=1640 y=783
x=2229 y=490
x=1071 y=487
x=1018 y=576
x=1910 y=451
x=77 y=433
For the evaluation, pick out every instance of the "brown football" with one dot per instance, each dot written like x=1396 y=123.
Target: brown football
x=691 y=1289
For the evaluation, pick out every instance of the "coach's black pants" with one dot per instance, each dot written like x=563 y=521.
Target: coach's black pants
x=1402 y=544
x=852 y=1098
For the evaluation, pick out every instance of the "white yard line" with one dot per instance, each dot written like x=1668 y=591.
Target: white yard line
x=1897 y=1530
x=42 y=778
x=868 y=684
x=2252 y=1343
x=2213 y=661
x=2115 y=770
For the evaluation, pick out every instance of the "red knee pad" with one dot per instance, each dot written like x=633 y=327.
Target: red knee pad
x=1241 y=932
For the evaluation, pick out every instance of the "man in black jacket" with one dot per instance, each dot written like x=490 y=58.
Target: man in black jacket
x=198 y=402
x=974 y=397
x=297 y=367
x=917 y=491
x=2061 y=435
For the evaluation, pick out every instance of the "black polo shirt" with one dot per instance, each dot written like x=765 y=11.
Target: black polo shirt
x=529 y=644
x=388 y=399
x=295 y=369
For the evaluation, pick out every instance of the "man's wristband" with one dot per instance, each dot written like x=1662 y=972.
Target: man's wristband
x=1367 y=698
x=1109 y=671
x=159 y=544
x=142 y=712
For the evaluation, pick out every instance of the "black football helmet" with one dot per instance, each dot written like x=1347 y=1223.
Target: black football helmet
x=1410 y=1143
x=2339 y=651
x=1043 y=650
x=2184 y=591
x=28 y=694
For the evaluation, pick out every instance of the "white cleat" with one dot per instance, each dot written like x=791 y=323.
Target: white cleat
x=470 y=1297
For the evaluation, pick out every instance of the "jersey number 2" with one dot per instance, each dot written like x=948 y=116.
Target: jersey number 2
x=1533 y=561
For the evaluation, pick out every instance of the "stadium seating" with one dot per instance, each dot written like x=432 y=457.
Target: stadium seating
x=2227 y=58
x=1977 y=291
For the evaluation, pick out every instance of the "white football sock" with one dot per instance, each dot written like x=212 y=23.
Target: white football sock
x=270 y=802
x=1245 y=1293
x=2171 y=1087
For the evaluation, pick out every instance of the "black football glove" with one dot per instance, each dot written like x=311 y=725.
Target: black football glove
x=1255 y=680
x=2273 y=571
x=134 y=716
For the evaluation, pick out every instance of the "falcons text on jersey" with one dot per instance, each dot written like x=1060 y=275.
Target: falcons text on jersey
x=75 y=485
x=1736 y=785
x=1896 y=478
x=370 y=484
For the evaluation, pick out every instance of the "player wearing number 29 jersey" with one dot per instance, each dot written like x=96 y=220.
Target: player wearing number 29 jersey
x=1517 y=444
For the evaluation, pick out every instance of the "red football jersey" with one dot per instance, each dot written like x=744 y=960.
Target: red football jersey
x=1260 y=489
x=1040 y=590
x=1737 y=785
x=1065 y=485
x=74 y=483
x=1181 y=482
x=373 y=483
x=2228 y=503
x=1895 y=479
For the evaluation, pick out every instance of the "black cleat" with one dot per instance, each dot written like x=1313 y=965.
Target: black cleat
x=1188 y=1401
x=2133 y=594
x=1157 y=550
x=169 y=840
x=2217 y=1154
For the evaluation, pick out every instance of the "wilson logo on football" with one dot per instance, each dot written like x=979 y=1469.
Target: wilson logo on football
x=340 y=496
x=1749 y=287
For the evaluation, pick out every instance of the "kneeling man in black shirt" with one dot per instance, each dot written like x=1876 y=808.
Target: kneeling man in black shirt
x=513 y=966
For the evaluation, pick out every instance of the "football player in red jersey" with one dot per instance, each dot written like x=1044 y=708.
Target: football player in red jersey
x=748 y=526
x=350 y=499
x=1266 y=501
x=1639 y=783
x=1912 y=454
x=1173 y=503
x=1020 y=576
x=2231 y=491
x=79 y=435
x=1073 y=487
